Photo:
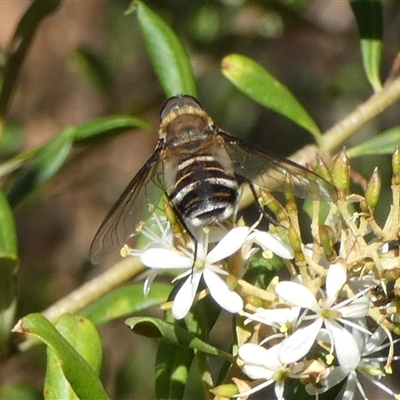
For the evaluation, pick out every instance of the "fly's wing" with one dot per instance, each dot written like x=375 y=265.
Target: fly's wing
x=270 y=171
x=130 y=209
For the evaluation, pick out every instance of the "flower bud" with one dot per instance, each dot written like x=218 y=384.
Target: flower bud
x=326 y=236
x=291 y=206
x=373 y=190
x=269 y=201
x=396 y=166
x=227 y=390
x=295 y=242
x=322 y=170
x=341 y=172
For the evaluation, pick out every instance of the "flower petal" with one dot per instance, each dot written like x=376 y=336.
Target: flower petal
x=278 y=389
x=351 y=387
x=277 y=245
x=346 y=348
x=277 y=316
x=149 y=280
x=228 y=299
x=254 y=356
x=185 y=296
x=335 y=376
x=229 y=244
x=358 y=308
x=164 y=258
x=299 y=343
x=297 y=294
x=335 y=279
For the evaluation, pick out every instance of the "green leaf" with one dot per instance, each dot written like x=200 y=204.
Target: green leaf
x=77 y=371
x=172 y=370
x=168 y=57
x=157 y=328
x=173 y=361
x=8 y=235
x=92 y=68
x=19 y=45
x=257 y=83
x=368 y=14
x=107 y=126
x=81 y=334
x=9 y=263
x=46 y=163
x=262 y=270
x=126 y=301
x=384 y=143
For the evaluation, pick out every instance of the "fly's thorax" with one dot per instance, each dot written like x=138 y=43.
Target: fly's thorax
x=187 y=132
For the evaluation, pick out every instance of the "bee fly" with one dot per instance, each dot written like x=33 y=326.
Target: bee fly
x=200 y=169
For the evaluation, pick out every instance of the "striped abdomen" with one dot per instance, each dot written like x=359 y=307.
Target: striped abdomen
x=204 y=192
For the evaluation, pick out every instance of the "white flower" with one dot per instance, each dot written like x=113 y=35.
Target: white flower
x=369 y=367
x=284 y=320
x=260 y=363
x=326 y=313
x=160 y=235
x=206 y=265
x=274 y=243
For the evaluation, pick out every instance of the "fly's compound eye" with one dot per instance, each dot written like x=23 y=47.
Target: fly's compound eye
x=177 y=102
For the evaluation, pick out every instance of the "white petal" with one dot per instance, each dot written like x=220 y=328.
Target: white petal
x=149 y=280
x=164 y=258
x=346 y=348
x=228 y=299
x=334 y=281
x=278 y=389
x=257 y=355
x=375 y=341
x=254 y=356
x=297 y=294
x=185 y=296
x=276 y=316
x=335 y=376
x=277 y=245
x=229 y=244
x=351 y=386
x=255 y=388
x=299 y=343
x=356 y=309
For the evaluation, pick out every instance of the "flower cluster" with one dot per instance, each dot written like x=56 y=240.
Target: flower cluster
x=323 y=325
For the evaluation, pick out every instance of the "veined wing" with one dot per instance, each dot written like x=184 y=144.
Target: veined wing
x=130 y=209
x=271 y=171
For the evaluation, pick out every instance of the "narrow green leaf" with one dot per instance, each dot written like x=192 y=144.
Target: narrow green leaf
x=19 y=45
x=8 y=235
x=172 y=370
x=81 y=334
x=107 y=126
x=8 y=270
x=170 y=61
x=368 y=14
x=92 y=68
x=173 y=361
x=46 y=163
x=157 y=328
x=257 y=83
x=78 y=372
x=384 y=143
x=126 y=301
